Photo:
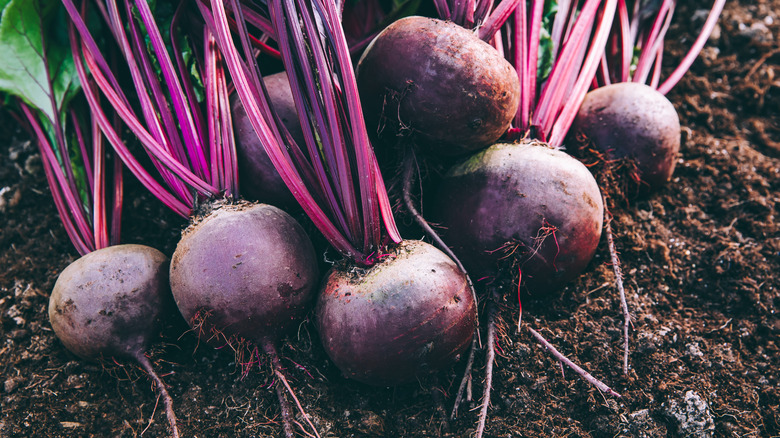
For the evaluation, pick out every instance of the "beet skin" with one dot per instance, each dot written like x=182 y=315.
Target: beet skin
x=634 y=121
x=410 y=313
x=439 y=82
x=522 y=207
x=244 y=271
x=108 y=302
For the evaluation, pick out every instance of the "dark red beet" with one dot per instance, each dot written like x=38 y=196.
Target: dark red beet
x=244 y=271
x=438 y=81
x=408 y=314
x=259 y=179
x=632 y=120
x=108 y=302
x=522 y=206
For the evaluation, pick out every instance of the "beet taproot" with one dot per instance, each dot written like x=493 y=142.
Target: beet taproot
x=108 y=303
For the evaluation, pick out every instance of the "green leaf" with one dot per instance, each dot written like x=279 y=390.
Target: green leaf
x=26 y=27
x=545 y=57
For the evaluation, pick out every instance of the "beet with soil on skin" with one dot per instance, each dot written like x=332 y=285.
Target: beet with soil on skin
x=409 y=314
x=439 y=82
x=108 y=303
x=634 y=121
x=244 y=271
x=524 y=207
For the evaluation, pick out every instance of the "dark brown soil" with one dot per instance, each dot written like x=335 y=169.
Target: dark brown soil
x=700 y=258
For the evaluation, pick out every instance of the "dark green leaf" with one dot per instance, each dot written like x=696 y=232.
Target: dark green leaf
x=26 y=27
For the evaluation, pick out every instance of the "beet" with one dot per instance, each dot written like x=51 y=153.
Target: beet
x=244 y=272
x=438 y=81
x=634 y=121
x=522 y=206
x=259 y=179
x=408 y=314
x=108 y=303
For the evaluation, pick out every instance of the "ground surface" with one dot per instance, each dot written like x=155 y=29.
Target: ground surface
x=700 y=258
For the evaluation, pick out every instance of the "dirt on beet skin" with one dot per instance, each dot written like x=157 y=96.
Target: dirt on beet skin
x=700 y=258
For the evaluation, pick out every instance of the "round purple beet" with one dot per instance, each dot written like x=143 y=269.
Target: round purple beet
x=524 y=207
x=634 y=121
x=108 y=302
x=259 y=179
x=410 y=313
x=244 y=271
x=438 y=81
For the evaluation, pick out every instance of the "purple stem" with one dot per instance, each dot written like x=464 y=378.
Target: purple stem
x=497 y=18
x=159 y=152
x=71 y=202
x=118 y=198
x=85 y=160
x=192 y=140
x=99 y=117
x=588 y=70
x=144 y=77
x=306 y=101
x=269 y=134
x=570 y=79
x=99 y=193
x=522 y=45
x=653 y=41
x=183 y=72
x=321 y=92
x=78 y=234
x=366 y=165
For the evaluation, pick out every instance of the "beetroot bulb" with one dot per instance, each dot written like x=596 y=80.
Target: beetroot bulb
x=524 y=207
x=634 y=122
x=407 y=315
x=439 y=83
x=626 y=121
x=258 y=177
x=256 y=287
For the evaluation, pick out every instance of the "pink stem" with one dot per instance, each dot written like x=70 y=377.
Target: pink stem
x=686 y=63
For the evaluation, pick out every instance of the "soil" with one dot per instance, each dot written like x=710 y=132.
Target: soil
x=699 y=257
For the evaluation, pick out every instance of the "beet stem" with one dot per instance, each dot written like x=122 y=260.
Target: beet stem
x=464 y=382
x=147 y=366
x=491 y=356
x=584 y=374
